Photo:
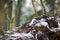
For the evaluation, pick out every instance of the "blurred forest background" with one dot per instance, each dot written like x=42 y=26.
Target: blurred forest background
x=14 y=13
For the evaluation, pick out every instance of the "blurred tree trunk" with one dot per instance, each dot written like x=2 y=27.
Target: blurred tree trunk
x=13 y=21
x=18 y=12
x=8 y=12
x=34 y=6
x=57 y=8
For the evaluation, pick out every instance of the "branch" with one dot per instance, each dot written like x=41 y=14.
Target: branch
x=44 y=10
x=34 y=8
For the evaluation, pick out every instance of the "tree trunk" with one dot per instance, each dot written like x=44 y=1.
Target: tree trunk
x=18 y=12
x=13 y=21
x=8 y=12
